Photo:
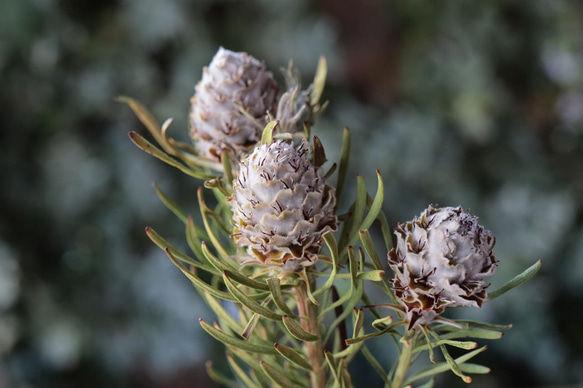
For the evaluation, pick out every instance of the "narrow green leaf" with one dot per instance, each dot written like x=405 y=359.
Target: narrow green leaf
x=250 y=326
x=227 y=168
x=333 y=366
x=197 y=282
x=297 y=376
x=275 y=289
x=365 y=337
x=221 y=336
x=430 y=345
x=163 y=244
x=222 y=314
x=516 y=281
x=483 y=325
x=354 y=294
x=330 y=241
x=357 y=214
x=472 y=333
x=357 y=331
x=443 y=366
x=373 y=276
x=343 y=167
x=467 y=345
x=238 y=371
x=218 y=377
x=297 y=331
x=205 y=210
x=145 y=117
x=453 y=365
x=276 y=376
x=370 y=249
x=233 y=273
x=375 y=364
x=293 y=356
x=248 y=302
x=169 y=203
x=151 y=149
x=319 y=81
x=267 y=136
x=193 y=240
x=475 y=369
x=330 y=171
x=376 y=206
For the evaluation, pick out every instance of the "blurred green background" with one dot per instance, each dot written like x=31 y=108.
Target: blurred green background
x=478 y=104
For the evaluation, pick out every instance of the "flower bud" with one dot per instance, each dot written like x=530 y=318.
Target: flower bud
x=281 y=205
x=230 y=103
x=440 y=261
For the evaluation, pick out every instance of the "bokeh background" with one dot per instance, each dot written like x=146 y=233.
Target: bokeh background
x=478 y=104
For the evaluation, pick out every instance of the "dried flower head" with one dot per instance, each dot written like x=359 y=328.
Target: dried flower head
x=230 y=103
x=281 y=205
x=440 y=261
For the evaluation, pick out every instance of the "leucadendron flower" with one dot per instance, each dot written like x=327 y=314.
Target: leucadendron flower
x=230 y=103
x=282 y=205
x=441 y=260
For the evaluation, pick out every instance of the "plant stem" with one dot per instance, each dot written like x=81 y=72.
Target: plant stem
x=308 y=313
x=404 y=360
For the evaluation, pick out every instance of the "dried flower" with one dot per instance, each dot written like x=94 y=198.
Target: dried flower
x=440 y=261
x=281 y=205
x=230 y=103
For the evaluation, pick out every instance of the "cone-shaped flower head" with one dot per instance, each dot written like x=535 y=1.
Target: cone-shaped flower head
x=281 y=205
x=230 y=103
x=440 y=261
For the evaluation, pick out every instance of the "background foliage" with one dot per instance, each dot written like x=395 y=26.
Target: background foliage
x=479 y=105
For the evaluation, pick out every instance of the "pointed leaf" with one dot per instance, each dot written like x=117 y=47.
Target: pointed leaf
x=223 y=337
x=163 y=244
x=375 y=364
x=330 y=241
x=472 y=333
x=475 y=369
x=319 y=81
x=248 y=302
x=453 y=365
x=373 y=276
x=483 y=325
x=197 y=282
x=218 y=377
x=343 y=167
x=145 y=117
x=238 y=371
x=169 y=203
x=151 y=149
x=227 y=168
x=276 y=293
x=222 y=314
x=443 y=366
x=267 y=136
x=293 y=356
x=516 y=281
x=377 y=204
x=296 y=330
x=319 y=153
x=276 y=376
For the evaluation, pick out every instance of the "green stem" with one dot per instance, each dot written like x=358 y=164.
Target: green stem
x=308 y=313
x=404 y=360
